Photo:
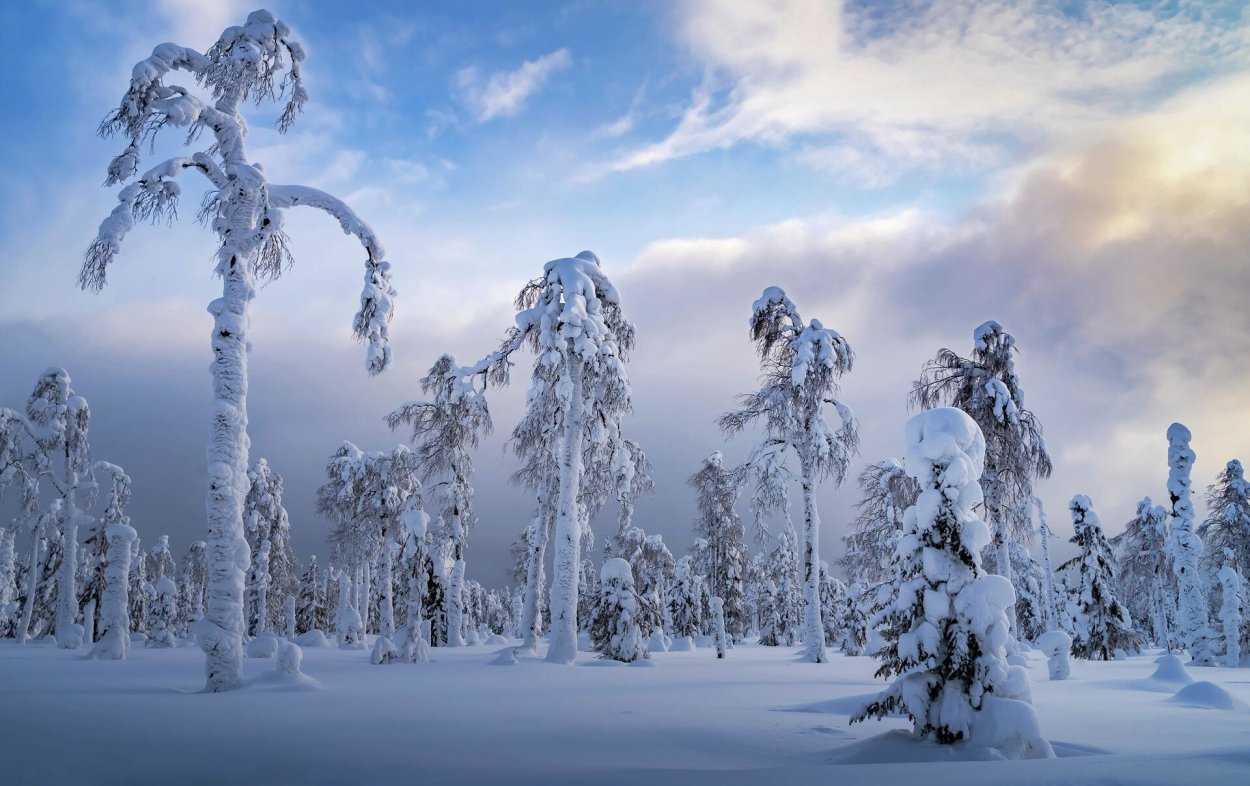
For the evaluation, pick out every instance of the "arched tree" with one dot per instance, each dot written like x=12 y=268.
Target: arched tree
x=256 y=61
x=802 y=364
x=986 y=387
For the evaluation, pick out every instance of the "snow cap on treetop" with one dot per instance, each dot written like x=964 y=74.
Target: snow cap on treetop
x=944 y=433
x=1177 y=432
x=1080 y=502
x=616 y=569
x=986 y=332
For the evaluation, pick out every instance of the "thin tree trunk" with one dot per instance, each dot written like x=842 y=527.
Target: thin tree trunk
x=813 y=629
x=535 y=579
x=387 y=622
x=567 y=565
x=455 y=604
x=22 y=634
x=67 y=592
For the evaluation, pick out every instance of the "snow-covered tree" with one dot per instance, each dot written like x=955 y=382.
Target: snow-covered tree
x=161 y=560
x=769 y=618
x=854 y=620
x=258 y=584
x=987 y=387
x=311 y=600
x=140 y=588
x=886 y=492
x=946 y=630
x=1227 y=525
x=615 y=633
x=783 y=571
x=1102 y=625
x=1029 y=577
x=193 y=585
x=1049 y=599
x=653 y=567
x=1232 y=610
x=444 y=431
x=8 y=578
x=801 y=365
x=367 y=496
x=719 y=553
x=686 y=599
x=720 y=638
x=114 y=638
x=349 y=629
x=1185 y=549
x=163 y=615
x=265 y=519
x=1145 y=578
x=245 y=210
x=569 y=439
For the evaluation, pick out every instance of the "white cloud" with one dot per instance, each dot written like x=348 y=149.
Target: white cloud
x=504 y=93
x=920 y=83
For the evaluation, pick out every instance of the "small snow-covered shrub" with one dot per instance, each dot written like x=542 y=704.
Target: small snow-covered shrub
x=1056 y=645
x=614 y=631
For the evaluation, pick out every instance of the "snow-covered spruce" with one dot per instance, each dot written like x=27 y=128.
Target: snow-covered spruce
x=1144 y=575
x=114 y=639
x=1185 y=549
x=1232 y=610
x=718 y=552
x=801 y=366
x=349 y=629
x=615 y=633
x=1227 y=525
x=265 y=519
x=163 y=615
x=654 y=569
x=686 y=599
x=1101 y=624
x=987 y=388
x=245 y=211
x=946 y=631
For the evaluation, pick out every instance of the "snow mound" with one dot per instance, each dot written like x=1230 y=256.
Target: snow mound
x=1171 y=670
x=286 y=674
x=263 y=646
x=1206 y=695
x=505 y=657
x=1054 y=642
x=383 y=652
x=656 y=642
x=312 y=639
x=682 y=644
x=900 y=747
x=495 y=639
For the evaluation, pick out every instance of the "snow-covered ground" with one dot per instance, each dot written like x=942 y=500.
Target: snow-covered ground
x=757 y=717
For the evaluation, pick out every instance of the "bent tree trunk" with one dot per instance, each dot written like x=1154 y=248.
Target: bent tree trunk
x=563 y=648
x=221 y=631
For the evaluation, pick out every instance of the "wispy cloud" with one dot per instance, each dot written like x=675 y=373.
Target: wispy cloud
x=885 y=88
x=504 y=93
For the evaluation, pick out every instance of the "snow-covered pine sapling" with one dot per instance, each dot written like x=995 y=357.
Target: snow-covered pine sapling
x=719 y=553
x=349 y=630
x=719 y=638
x=802 y=365
x=770 y=621
x=685 y=600
x=1101 y=624
x=193 y=585
x=161 y=560
x=265 y=518
x=1056 y=646
x=1048 y=572
x=1232 y=609
x=615 y=633
x=413 y=647
x=946 y=631
x=987 y=387
x=288 y=617
x=1145 y=578
x=1185 y=548
x=164 y=614
x=245 y=211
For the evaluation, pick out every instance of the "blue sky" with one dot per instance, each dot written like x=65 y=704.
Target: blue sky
x=1077 y=171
